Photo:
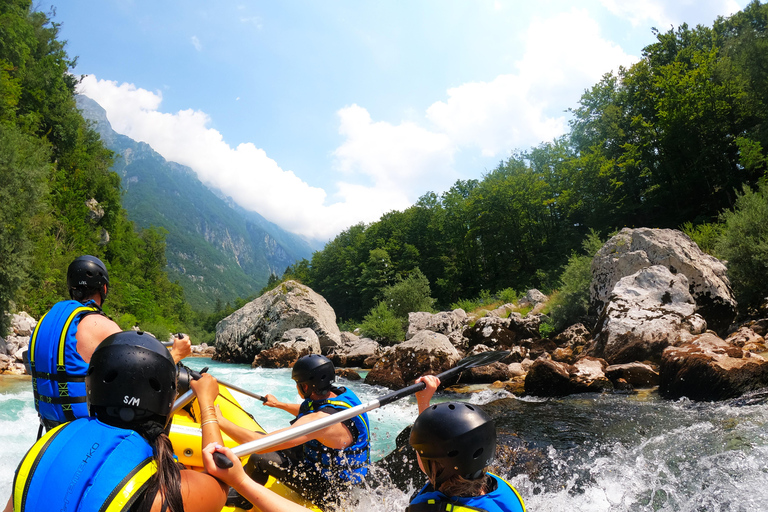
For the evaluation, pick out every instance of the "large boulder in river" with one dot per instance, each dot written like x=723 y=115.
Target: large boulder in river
x=294 y=344
x=646 y=312
x=261 y=323
x=426 y=353
x=634 y=249
x=708 y=368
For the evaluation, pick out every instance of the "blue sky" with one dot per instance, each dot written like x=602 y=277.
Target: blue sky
x=320 y=115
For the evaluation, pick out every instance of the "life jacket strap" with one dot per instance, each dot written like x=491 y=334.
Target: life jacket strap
x=441 y=506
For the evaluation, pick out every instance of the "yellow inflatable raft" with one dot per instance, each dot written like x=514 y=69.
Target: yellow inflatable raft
x=186 y=437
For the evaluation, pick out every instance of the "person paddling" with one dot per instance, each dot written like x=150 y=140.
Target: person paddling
x=64 y=339
x=120 y=458
x=454 y=443
x=323 y=464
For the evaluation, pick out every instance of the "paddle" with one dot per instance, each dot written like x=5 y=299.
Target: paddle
x=482 y=359
x=187 y=374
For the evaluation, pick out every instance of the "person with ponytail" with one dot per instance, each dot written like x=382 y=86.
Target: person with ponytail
x=454 y=443
x=120 y=457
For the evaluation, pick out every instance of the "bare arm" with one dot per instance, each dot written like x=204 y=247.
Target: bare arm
x=200 y=492
x=264 y=499
x=91 y=331
x=425 y=395
x=239 y=434
x=206 y=389
x=271 y=401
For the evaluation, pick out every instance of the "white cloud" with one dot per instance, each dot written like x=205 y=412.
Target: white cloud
x=394 y=157
x=196 y=43
x=664 y=14
x=523 y=109
x=245 y=173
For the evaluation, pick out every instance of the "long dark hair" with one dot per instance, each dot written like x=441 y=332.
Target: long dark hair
x=456 y=485
x=167 y=480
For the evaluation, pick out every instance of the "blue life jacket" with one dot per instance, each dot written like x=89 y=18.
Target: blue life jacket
x=351 y=463
x=504 y=498
x=84 y=466
x=58 y=371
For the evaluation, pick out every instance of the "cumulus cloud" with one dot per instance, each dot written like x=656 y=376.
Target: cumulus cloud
x=392 y=157
x=523 y=109
x=245 y=172
x=664 y=14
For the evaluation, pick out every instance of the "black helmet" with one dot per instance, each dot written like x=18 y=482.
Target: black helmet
x=461 y=436
x=316 y=371
x=85 y=275
x=131 y=377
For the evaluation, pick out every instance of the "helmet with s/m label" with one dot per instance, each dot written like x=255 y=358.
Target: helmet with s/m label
x=131 y=378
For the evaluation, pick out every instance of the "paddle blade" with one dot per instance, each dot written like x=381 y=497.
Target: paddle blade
x=481 y=359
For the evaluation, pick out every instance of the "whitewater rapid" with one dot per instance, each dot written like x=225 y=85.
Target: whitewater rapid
x=598 y=452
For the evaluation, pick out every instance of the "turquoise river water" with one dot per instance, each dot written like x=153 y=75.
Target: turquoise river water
x=596 y=452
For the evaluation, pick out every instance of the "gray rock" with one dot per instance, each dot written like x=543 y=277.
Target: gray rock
x=638 y=375
x=261 y=323
x=445 y=322
x=22 y=324
x=427 y=352
x=634 y=249
x=551 y=378
x=646 y=312
x=303 y=340
x=708 y=368
x=354 y=351
x=532 y=297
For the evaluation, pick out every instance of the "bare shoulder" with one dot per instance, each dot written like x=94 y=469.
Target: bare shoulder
x=91 y=331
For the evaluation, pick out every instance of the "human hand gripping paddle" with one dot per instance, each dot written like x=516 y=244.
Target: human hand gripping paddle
x=482 y=359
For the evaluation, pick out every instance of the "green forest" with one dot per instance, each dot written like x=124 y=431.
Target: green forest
x=677 y=140
x=52 y=164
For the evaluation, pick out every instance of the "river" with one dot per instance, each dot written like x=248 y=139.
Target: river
x=599 y=452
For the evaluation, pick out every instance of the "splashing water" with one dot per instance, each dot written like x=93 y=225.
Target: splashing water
x=597 y=452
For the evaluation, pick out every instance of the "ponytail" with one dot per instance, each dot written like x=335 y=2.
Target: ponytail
x=167 y=480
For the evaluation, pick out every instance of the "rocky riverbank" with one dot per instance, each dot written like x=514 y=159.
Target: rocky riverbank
x=663 y=316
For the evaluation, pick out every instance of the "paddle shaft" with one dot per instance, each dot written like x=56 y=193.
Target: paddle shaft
x=272 y=440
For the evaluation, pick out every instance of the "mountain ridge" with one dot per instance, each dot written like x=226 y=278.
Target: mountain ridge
x=215 y=249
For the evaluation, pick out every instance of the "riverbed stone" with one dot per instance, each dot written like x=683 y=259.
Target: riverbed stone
x=708 y=368
x=261 y=323
x=636 y=374
x=426 y=353
x=632 y=250
x=354 y=351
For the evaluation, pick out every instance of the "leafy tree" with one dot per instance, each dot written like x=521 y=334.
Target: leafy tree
x=570 y=304
x=381 y=324
x=409 y=294
x=23 y=167
x=745 y=245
